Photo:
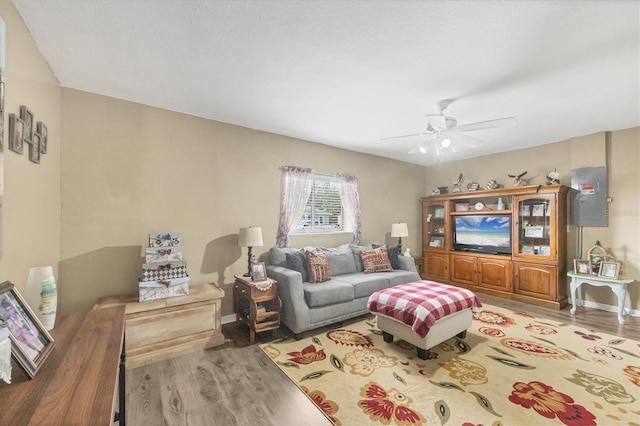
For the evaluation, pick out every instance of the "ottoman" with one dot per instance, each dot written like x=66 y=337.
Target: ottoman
x=423 y=313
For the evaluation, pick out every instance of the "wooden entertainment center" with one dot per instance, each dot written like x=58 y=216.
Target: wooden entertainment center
x=507 y=242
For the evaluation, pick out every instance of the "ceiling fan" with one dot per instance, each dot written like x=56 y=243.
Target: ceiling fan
x=442 y=129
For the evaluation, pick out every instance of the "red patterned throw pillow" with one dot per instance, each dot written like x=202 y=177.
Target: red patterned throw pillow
x=376 y=260
x=318 y=266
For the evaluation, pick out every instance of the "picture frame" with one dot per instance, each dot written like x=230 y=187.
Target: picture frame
x=31 y=342
x=526 y=210
x=609 y=270
x=27 y=117
x=34 y=149
x=258 y=272
x=436 y=242
x=16 y=132
x=44 y=133
x=544 y=251
x=438 y=212
x=582 y=267
x=534 y=231
x=538 y=210
x=527 y=249
x=462 y=207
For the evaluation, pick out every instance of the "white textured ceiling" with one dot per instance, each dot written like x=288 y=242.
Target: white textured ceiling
x=348 y=73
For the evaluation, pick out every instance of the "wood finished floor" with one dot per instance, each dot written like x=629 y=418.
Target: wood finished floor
x=237 y=384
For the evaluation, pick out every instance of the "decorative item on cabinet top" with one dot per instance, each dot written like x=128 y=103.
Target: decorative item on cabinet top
x=164 y=274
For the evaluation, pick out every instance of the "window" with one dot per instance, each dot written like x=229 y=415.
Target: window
x=310 y=203
x=323 y=212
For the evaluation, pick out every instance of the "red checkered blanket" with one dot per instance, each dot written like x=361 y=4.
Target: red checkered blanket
x=420 y=304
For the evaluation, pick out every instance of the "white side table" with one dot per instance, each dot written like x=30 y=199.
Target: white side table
x=618 y=286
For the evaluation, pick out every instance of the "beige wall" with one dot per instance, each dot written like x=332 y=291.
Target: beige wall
x=129 y=169
x=126 y=170
x=30 y=224
x=619 y=151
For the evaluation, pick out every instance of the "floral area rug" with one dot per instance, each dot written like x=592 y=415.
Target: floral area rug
x=512 y=368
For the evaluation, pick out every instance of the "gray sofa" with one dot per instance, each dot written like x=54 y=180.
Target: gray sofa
x=306 y=305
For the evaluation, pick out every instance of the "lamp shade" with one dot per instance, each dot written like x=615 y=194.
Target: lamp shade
x=399 y=230
x=250 y=237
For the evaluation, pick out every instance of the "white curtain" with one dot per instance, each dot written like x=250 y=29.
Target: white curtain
x=296 y=188
x=350 y=202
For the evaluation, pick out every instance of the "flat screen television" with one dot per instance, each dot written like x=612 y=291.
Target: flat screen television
x=482 y=233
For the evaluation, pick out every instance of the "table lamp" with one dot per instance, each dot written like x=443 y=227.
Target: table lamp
x=250 y=237
x=399 y=230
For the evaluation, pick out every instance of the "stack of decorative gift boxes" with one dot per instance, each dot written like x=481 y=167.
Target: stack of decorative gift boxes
x=165 y=272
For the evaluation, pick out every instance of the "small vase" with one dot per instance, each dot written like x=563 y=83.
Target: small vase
x=42 y=295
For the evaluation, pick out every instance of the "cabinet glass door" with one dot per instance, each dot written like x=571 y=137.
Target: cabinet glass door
x=535 y=227
x=436 y=215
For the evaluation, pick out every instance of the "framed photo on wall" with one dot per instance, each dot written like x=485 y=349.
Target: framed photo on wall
x=42 y=131
x=34 y=149
x=31 y=344
x=16 y=132
x=27 y=116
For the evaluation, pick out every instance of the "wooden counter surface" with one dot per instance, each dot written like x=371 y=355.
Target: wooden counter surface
x=78 y=382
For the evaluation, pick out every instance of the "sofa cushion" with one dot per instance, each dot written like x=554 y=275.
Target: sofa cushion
x=364 y=285
x=327 y=293
x=393 y=252
x=376 y=260
x=318 y=267
x=278 y=257
x=297 y=261
x=340 y=259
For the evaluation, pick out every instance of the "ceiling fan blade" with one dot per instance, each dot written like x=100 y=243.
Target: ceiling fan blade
x=405 y=136
x=417 y=147
x=466 y=140
x=489 y=124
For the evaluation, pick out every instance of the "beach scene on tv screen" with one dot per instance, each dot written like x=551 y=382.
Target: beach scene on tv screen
x=484 y=231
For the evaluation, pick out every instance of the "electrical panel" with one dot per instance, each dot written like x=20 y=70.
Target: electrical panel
x=589 y=196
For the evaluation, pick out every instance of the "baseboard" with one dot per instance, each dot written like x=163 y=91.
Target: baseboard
x=609 y=308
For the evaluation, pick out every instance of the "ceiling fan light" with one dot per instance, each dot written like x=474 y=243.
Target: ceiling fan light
x=446 y=143
x=423 y=150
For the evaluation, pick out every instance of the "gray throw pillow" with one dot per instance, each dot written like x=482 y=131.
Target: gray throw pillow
x=341 y=260
x=393 y=252
x=277 y=255
x=297 y=261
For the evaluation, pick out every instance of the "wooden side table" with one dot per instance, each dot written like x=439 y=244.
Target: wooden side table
x=419 y=261
x=618 y=286
x=256 y=307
